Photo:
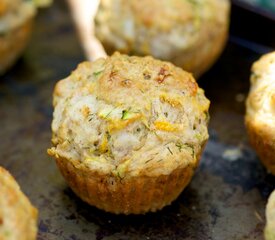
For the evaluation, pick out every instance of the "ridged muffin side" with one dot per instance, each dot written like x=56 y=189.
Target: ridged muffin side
x=127 y=195
x=260 y=115
x=128 y=132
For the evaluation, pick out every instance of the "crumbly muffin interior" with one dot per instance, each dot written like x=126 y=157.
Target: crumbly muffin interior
x=129 y=113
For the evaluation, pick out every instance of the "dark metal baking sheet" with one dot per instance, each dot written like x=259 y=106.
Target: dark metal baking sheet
x=227 y=196
x=266 y=8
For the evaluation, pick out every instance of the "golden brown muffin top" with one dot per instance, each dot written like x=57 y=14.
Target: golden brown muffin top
x=130 y=111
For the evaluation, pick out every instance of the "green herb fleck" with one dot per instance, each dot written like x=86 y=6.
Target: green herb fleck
x=191 y=147
x=125 y=115
x=109 y=113
x=149 y=160
x=105 y=113
x=198 y=136
x=91 y=117
x=179 y=146
x=118 y=175
x=194 y=2
x=108 y=136
x=170 y=150
x=97 y=73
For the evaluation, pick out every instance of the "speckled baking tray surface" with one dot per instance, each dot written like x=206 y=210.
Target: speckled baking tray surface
x=226 y=198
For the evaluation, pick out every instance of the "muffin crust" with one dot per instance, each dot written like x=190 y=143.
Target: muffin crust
x=18 y=218
x=122 y=120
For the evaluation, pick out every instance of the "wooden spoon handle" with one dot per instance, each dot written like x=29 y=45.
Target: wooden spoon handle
x=83 y=13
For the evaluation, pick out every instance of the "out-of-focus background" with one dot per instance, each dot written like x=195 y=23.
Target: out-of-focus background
x=226 y=198
x=266 y=4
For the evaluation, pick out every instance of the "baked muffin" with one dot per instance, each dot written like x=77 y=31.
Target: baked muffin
x=8 y=5
x=128 y=132
x=260 y=114
x=189 y=33
x=270 y=218
x=18 y=218
x=16 y=18
x=15 y=28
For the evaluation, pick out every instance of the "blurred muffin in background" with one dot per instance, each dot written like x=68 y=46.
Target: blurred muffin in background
x=270 y=218
x=128 y=132
x=189 y=33
x=16 y=18
x=8 y=5
x=260 y=110
x=18 y=218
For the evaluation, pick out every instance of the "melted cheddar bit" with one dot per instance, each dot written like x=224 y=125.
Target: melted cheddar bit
x=173 y=101
x=118 y=124
x=95 y=159
x=103 y=148
x=165 y=126
x=85 y=111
